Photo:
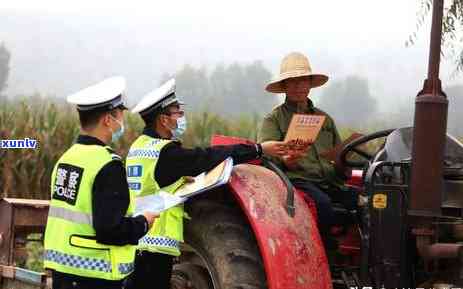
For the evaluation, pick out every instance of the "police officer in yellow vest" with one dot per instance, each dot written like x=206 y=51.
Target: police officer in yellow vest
x=158 y=160
x=90 y=236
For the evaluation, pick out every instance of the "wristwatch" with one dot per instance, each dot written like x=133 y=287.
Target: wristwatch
x=259 y=150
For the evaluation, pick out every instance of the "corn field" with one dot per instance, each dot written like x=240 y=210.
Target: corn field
x=25 y=173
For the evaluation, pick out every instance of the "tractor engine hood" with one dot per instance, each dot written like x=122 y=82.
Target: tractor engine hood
x=398 y=147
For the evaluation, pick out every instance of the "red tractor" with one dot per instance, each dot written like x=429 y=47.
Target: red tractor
x=259 y=232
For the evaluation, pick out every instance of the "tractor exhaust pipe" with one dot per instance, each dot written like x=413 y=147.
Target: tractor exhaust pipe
x=430 y=126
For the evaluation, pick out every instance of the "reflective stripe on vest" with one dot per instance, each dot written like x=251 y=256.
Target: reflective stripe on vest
x=71 y=216
x=77 y=261
x=143 y=153
x=159 y=242
x=85 y=263
x=126 y=268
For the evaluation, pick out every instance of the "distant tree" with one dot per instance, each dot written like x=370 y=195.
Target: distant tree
x=192 y=85
x=4 y=66
x=452 y=27
x=231 y=90
x=255 y=78
x=349 y=101
x=240 y=88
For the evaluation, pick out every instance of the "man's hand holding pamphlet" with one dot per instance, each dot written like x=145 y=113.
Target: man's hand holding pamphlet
x=302 y=132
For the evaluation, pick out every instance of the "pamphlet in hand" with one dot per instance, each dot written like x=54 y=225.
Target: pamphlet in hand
x=206 y=181
x=303 y=130
x=156 y=203
x=162 y=200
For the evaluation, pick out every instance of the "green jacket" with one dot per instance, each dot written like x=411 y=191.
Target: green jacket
x=312 y=167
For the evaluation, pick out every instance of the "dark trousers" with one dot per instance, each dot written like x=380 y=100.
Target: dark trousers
x=152 y=270
x=68 y=281
x=322 y=202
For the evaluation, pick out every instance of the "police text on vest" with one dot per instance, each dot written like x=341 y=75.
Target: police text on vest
x=67 y=183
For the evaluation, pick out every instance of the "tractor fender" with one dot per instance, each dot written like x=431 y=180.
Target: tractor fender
x=291 y=248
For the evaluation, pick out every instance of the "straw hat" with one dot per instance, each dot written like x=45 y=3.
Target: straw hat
x=295 y=65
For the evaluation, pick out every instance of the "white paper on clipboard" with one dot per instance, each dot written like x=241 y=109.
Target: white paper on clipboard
x=206 y=181
x=156 y=203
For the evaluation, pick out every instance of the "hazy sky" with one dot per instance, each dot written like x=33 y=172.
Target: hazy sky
x=348 y=24
x=143 y=39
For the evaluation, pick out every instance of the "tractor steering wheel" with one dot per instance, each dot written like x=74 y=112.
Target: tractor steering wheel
x=342 y=160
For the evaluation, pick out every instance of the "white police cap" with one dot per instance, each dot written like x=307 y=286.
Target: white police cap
x=107 y=95
x=159 y=98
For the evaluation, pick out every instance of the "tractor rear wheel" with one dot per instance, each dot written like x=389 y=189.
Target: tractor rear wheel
x=220 y=250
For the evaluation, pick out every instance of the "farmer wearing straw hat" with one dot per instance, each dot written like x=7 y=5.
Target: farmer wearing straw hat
x=307 y=170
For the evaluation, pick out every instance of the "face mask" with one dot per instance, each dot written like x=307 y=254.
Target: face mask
x=180 y=129
x=118 y=133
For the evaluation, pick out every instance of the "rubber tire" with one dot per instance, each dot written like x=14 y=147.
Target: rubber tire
x=222 y=236
x=195 y=275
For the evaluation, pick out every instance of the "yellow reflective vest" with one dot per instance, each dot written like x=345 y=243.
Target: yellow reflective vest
x=167 y=231
x=70 y=244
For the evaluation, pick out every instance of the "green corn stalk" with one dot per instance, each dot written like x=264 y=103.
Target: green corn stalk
x=25 y=173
